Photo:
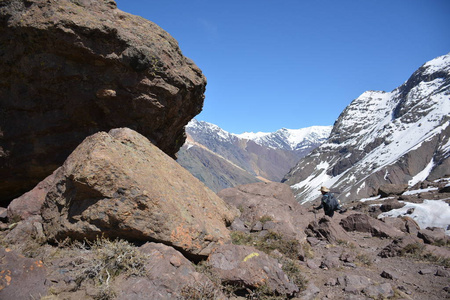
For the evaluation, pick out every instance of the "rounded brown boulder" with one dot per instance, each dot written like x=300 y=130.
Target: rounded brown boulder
x=119 y=185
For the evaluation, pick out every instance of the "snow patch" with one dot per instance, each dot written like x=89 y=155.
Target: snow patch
x=430 y=213
x=422 y=175
x=413 y=192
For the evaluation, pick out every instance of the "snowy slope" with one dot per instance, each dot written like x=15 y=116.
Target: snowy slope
x=289 y=139
x=396 y=137
x=225 y=159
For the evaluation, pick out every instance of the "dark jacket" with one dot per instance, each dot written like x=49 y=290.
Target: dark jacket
x=329 y=204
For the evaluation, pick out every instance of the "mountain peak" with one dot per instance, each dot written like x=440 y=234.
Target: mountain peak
x=289 y=139
x=221 y=159
x=383 y=138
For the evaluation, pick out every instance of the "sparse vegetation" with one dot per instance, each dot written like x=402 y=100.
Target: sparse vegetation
x=268 y=243
x=308 y=250
x=293 y=271
x=112 y=258
x=200 y=291
x=364 y=259
x=418 y=251
x=265 y=219
x=105 y=260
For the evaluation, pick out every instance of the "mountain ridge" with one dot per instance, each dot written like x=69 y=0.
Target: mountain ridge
x=383 y=137
x=221 y=159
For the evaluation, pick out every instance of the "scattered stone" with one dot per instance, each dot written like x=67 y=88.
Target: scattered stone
x=411 y=225
x=436 y=235
x=410 y=211
x=30 y=203
x=382 y=291
x=268 y=200
x=270 y=225
x=389 y=275
x=390 y=205
x=239 y=225
x=365 y=223
x=401 y=245
x=442 y=272
x=313 y=241
x=387 y=190
x=348 y=257
x=235 y=264
x=350 y=265
x=312 y=264
x=257 y=227
x=398 y=223
x=355 y=283
x=437 y=252
x=330 y=261
x=21 y=277
x=27 y=234
x=310 y=293
x=404 y=289
x=331 y=282
x=167 y=275
x=329 y=230
x=427 y=271
x=3 y=214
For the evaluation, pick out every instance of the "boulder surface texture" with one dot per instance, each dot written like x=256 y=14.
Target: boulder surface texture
x=71 y=68
x=119 y=185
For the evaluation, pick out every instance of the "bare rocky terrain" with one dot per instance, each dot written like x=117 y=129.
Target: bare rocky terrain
x=271 y=247
x=95 y=206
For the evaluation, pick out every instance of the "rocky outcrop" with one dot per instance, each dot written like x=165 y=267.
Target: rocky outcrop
x=386 y=190
x=69 y=69
x=268 y=202
x=30 y=203
x=169 y=275
x=262 y=262
x=329 y=230
x=365 y=223
x=119 y=185
x=398 y=137
x=249 y=268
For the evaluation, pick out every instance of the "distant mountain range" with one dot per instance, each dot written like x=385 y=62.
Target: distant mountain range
x=384 y=137
x=221 y=159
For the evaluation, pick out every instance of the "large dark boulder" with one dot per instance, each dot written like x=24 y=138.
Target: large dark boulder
x=329 y=230
x=69 y=69
x=386 y=190
x=365 y=223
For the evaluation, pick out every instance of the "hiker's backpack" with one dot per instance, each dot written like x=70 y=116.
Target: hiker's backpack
x=330 y=202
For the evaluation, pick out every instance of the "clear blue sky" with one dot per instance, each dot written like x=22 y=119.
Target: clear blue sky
x=293 y=63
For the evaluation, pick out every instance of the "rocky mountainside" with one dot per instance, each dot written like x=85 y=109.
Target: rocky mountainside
x=398 y=137
x=71 y=68
x=221 y=159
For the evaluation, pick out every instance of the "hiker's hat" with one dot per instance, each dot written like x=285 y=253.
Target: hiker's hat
x=324 y=189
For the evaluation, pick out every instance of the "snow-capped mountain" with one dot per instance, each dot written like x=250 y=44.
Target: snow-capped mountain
x=221 y=159
x=383 y=137
x=290 y=139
